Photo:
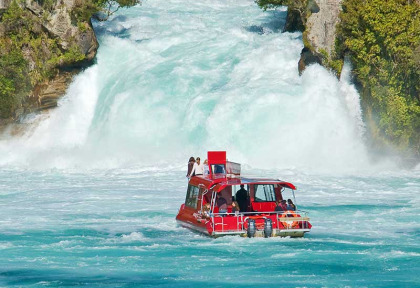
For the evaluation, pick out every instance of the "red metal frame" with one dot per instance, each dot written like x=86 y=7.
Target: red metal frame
x=235 y=224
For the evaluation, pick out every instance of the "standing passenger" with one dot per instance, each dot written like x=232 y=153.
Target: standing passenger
x=241 y=197
x=190 y=166
x=206 y=167
x=198 y=169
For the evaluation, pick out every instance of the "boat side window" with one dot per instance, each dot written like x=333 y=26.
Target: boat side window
x=264 y=193
x=192 y=196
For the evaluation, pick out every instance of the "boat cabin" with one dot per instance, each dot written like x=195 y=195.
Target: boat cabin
x=258 y=209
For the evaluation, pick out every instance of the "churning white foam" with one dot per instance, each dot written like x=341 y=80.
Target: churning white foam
x=173 y=81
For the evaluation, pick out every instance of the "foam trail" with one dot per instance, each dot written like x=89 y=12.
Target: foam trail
x=164 y=89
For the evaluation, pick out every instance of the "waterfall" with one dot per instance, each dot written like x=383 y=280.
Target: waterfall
x=175 y=79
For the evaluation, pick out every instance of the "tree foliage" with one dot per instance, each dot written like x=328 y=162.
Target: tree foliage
x=383 y=39
x=29 y=55
x=101 y=9
x=14 y=81
x=300 y=6
x=268 y=4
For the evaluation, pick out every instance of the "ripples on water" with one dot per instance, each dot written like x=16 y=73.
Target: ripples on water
x=117 y=228
x=87 y=198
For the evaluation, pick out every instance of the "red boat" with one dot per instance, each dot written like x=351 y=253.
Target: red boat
x=257 y=198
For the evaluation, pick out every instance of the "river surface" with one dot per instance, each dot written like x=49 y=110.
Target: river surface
x=89 y=194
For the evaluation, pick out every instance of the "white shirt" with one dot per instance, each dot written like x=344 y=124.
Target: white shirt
x=198 y=169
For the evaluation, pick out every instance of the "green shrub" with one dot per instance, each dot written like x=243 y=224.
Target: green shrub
x=382 y=37
x=14 y=81
x=43 y=52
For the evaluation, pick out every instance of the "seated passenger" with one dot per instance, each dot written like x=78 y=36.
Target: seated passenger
x=235 y=207
x=290 y=205
x=281 y=206
x=221 y=203
x=206 y=210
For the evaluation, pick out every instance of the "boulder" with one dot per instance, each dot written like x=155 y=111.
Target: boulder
x=4 y=4
x=307 y=57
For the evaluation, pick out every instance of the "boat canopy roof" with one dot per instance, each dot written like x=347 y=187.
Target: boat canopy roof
x=219 y=182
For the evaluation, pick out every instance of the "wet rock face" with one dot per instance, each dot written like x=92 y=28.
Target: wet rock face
x=319 y=32
x=294 y=22
x=321 y=25
x=307 y=57
x=4 y=4
x=49 y=93
x=59 y=25
x=59 y=47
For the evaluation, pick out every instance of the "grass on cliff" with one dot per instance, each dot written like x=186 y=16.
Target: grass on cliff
x=29 y=56
x=383 y=39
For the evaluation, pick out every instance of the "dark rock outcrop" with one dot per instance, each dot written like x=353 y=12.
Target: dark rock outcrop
x=307 y=57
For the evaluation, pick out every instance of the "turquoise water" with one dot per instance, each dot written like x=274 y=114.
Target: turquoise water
x=89 y=194
x=117 y=228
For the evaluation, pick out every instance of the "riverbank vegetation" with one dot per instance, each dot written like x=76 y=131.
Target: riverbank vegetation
x=32 y=51
x=382 y=39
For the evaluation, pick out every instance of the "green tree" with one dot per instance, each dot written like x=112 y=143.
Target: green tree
x=109 y=7
x=14 y=81
x=383 y=40
x=25 y=43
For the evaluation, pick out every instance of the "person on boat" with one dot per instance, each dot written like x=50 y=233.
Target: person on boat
x=190 y=166
x=206 y=210
x=235 y=207
x=221 y=203
x=198 y=169
x=290 y=205
x=241 y=197
x=281 y=206
x=206 y=167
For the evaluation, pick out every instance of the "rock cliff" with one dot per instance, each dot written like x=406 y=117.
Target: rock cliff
x=320 y=33
x=321 y=25
x=385 y=63
x=46 y=42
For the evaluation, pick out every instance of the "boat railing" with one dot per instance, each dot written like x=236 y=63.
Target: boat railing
x=285 y=220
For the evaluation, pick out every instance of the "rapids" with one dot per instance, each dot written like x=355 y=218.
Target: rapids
x=89 y=194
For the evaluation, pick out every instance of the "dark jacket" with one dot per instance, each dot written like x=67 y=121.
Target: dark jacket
x=221 y=203
x=281 y=207
x=190 y=167
x=242 y=198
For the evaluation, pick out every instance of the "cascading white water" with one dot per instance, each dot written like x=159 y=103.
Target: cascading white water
x=175 y=79
x=171 y=82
